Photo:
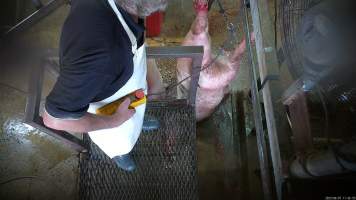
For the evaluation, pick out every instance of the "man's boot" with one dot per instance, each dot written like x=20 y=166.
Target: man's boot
x=125 y=162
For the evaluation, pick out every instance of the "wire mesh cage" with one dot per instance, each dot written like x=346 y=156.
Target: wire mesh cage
x=165 y=158
x=166 y=161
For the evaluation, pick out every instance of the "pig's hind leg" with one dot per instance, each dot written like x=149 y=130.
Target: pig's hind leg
x=225 y=68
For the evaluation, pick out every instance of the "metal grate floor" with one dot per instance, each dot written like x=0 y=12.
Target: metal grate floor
x=166 y=161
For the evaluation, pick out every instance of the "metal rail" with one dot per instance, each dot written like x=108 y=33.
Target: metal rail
x=272 y=92
x=42 y=12
x=257 y=114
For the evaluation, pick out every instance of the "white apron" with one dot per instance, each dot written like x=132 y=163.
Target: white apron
x=122 y=139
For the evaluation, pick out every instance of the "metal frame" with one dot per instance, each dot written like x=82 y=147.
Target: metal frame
x=32 y=115
x=194 y=52
x=257 y=114
x=272 y=93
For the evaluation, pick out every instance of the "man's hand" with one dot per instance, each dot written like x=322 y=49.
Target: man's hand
x=123 y=113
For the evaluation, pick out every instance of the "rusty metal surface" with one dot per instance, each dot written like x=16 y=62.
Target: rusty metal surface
x=166 y=161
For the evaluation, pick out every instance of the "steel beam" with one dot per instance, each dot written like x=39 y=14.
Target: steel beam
x=197 y=63
x=175 y=52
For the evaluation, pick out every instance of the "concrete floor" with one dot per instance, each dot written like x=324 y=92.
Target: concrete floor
x=36 y=166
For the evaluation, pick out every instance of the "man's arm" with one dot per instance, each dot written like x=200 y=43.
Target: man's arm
x=90 y=122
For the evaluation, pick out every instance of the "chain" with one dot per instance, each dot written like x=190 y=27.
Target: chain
x=231 y=39
x=231 y=28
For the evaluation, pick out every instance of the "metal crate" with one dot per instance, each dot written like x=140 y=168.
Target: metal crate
x=165 y=159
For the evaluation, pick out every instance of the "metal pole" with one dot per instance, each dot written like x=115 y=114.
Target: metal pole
x=272 y=90
x=261 y=143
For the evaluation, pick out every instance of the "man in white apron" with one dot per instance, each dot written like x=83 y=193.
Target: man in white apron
x=103 y=59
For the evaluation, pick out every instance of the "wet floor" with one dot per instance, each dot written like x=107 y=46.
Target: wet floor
x=32 y=164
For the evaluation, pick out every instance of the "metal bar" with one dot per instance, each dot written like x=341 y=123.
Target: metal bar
x=175 y=52
x=32 y=116
x=161 y=103
x=35 y=17
x=257 y=113
x=197 y=62
x=67 y=138
x=272 y=92
x=34 y=94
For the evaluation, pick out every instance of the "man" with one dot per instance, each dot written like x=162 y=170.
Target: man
x=103 y=59
x=214 y=81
